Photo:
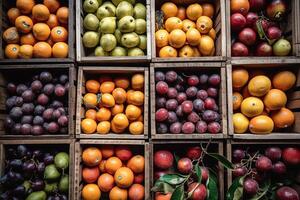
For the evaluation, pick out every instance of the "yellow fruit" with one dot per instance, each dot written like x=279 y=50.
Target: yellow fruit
x=275 y=99
x=283 y=118
x=261 y=124
x=206 y=45
x=240 y=77
x=103 y=127
x=259 y=86
x=237 y=100
x=240 y=123
x=284 y=80
x=136 y=128
x=252 y=106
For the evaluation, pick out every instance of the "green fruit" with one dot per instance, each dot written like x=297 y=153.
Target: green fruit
x=40 y=195
x=126 y=24
x=135 y=52
x=63 y=185
x=143 y=42
x=61 y=160
x=117 y=2
x=91 y=22
x=90 y=39
x=99 y=51
x=139 y=11
x=90 y=6
x=51 y=173
x=108 y=42
x=118 y=51
x=50 y=187
x=27 y=185
x=118 y=35
x=140 y=26
x=100 y=2
x=282 y=47
x=130 y=40
x=106 y=10
x=124 y=9
x=108 y=25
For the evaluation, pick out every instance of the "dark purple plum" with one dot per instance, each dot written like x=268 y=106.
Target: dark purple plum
x=27 y=119
x=179 y=88
x=21 y=88
x=212 y=92
x=202 y=94
x=175 y=128
x=63 y=120
x=161 y=115
x=279 y=168
x=238 y=155
x=48 y=159
x=28 y=96
x=214 y=127
x=36 y=86
x=263 y=164
x=10 y=102
x=26 y=129
x=179 y=111
x=209 y=103
x=41 y=168
x=45 y=77
x=287 y=193
x=67 y=86
x=171 y=76
x=27 y=108
x=37 y=185
x=191 y=92
x=193 y=117
x=203 y=78
x=16 y=113
x=38 y=154
x=172 y=93
x=9 y=123
x=214 y=79
x=19 y=101
x=188 y=128
x=59 y=90
x=198 y=105
x=274 y=153
x=159 y=76
x=39 y=110
x=53 y=127
x=56 y=114
x=193 y=80
x=48 y=114
x=181 y=97
x=19 y=191
x=42 y=99
x=171 y=104
x=162 y=87
x=160 y=102
x=210 y=115
x=63 y=79
x=11 y=88
x=161 y=128
x=239 y=170
x=172 y=117
x=250 y=186
x=48 y=89
x=37 y=130
x=201 y=127
x=251 y=19
x=187 y=107
x=56 y=104
x=62 y=110
x=16 y=130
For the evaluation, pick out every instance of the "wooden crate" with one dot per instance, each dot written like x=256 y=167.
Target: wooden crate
x=291 y=33
x=8 y=73
x=293 y=98
x=86 y=55
x=173 y=145
x=199 y=67
x=84 y=73
x=65 y=144
x=138 y=145
x=5 y=5
x=254 y=143
x=219 y=26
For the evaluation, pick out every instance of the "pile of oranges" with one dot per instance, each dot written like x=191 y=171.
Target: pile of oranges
x=114 y=172
x=115 y=104
x=37 y=30
x=260 y=98
x=185 y=32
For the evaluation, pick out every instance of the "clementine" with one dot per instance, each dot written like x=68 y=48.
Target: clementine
x=91 y=156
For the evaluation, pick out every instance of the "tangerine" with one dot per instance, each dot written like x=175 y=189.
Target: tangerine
x=194 y=11
x=137 y=81
x=27 y=39
x=42 y=50
x=24 y=24
x=91 y=192
x=169 y=10
x=40 y=12
x=186 y=51
x=124 y=177
x=167 y=52
x=239 y=6
x=133 y=112
x=106 y=182
x=137 y=164
x=135 y=97
x=120 y=121
x=88 y=126
x=107 y=100
x=193 y=36
x=90 y=100
x=59 y=34
x=92 y=86
x=90 y=114
x=119 y=95
x=41 y=31
x=60 y=50
x=103 y=127
x=91 y=156
x=52 y=21
x=25 y=6
x=206 y=45
x=112 y=165
x=103 y=114
x=63 y=15
x=12 y=14
x=102 y=166
x=25 y=51
x=118 y=108
x=118 y=194
x=12 y=51
x=136 y=128
x=173 y=23
x=177 y=38
x=161 y=38
x=188 y=24
x=107 y=87
x=90 y=174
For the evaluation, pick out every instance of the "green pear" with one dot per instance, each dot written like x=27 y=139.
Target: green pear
x=119 y=51
x=124 y=9
x=143 y=42
x=118 y=35
x=117 y=2
x=108 y=25
x=127 y=24
x=100 y=2
x=135 y=52
x=106 y=10
x=140 y=26
x=63 y=185
x=90 y=39
x=130 y=40
x=91 y=22
x=139 y=11
x=90 y=6
x=99 y=51
x=51 y=173
x=61 y=160
x=40 y=195
x=108 y=42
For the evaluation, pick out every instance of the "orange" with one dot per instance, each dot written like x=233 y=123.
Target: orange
x=177 y=38
x=252 y=106
x=240 y=123
x=173 y=23
x=136 y=192
x=52 y=21
x=24 y=24
x=206 y=45
x=161 y=38
x=259 y=86
x=25 y=51
x=120 y=121
x=204 y=24
x=27 y=39
x=106 y=182
x=40 y=12
x=275 y=99
x=124 y=177
x=92 y=86
x=91 y=192
x=122 y=82
x=59 y=34
x=119 y=95
x=194 y=11
x=240 y=77
x=118 y=194
x=187 y=24
x=136 y=128
x=52 y=5
x=25 y=6
x=135 y=97
x=237 y=99
x=107 y=151
x=91 y=156
x=283 y=118
x=116 y=129
x=167 y=52
x=103 y=127
x=90 y=114
x=60 y=50
x=181 y=13
x=284 y=80
x=186 y=51
x=240 y=6
x=90 y=100
x=169 y=10
x=42 y=50
x=137 y=81
x=212 y=33
x=118 y=108
x=12 y=51
x=261 y=124
x=193 y=36
x=41 y=31
x=107 y=87
x=103 y=114
x=133 y=112
x=112 y=165
x=102 y=166
x=137 y=164
x=63 y=15
x=12 y=14
x=160 y=196
x=11 y=35
x=107 y=100
x=88 y=126
x=90 y=174
x=196 y=52
x=208 y=10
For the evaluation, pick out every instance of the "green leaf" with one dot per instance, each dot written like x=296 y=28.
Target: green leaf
x=260 y=29
x=178 y=193
x=226 y=163
x=213 y=175
x=263 y=191
x=235 y=191
x=162 y=187
x=173 y=179
x=212 y=188
x=198 y=171
x=238 y=193
x=176 y=158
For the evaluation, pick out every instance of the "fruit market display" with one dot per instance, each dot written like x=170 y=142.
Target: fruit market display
x=112 y=172
x=266 y=173
x=114 y=104
x=187 y=102
x=115 y=28
x=185 y=31
x=35 y=173
x=259 y=101
x=258 y=27
x=37 y=30
x=38 y=105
